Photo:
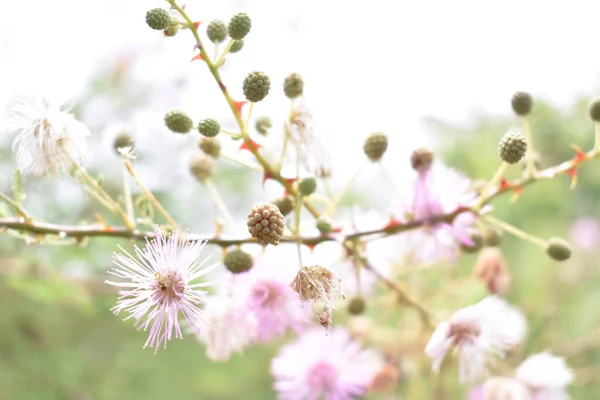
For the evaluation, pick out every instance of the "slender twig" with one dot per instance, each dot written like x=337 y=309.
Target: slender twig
x=149 y=195
x=20 y=210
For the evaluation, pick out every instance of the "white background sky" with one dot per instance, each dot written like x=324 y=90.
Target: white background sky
x=368 y=65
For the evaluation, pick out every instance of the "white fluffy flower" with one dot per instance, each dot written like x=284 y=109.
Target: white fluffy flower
x=547 y=375
x=478 y=331
x=48 y=137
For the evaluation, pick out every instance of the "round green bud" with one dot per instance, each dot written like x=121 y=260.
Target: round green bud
x=307 y=186
x=263 y=124
x=512 y=147
x=285 y=204
x=421 y=159
x=375 y=145
x=201 y=166
x=522 y=102
x=594 y=109
x=178 y=121
x=209 y=127
x=210 y=146
x=492 y=237
x=324 y=225
x=158 y=19
x=236 y=45
x=216 y=31
x=477 y=239
x=238 y=261
x=558 y=249
x=123 y=139
x=239 y=26
x=256 y=86
x=171 y=30
x=356 y=306
x=293 y=86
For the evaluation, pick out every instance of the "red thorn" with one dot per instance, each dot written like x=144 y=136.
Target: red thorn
x=579 y=155
x=197 y=24
x=250 y=145
x=197 y=46
x=197 y=57
x=572 y=172
x=266 y=175
x=336 y=229
x=224 y=88
x=239 y=105
x=311 y=246
x=393 y=223
x=504 y=184
x=290 y=181
x=183 y=6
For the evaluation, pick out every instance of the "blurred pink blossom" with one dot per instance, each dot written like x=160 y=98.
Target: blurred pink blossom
x=333 y=367
x=585 y=233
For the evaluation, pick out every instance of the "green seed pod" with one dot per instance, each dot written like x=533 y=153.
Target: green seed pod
x=263 y=124
x=178 y=121
x=375 y=145
x=324 y=225
x=210 y=146
x=239 y=26
x=256 y=86
x=293 y=86
x=492 y=237
x=201 y=166
x=216 y=31
x=238 y=261
x=477 y=239
x=236 y=46
x=307 y=186
x=158 y=19
x=594 y=109
x=209 y=127
x=171 y=30
x=558 y=249
x=512 y=147
x=522 y=103
x=356 y=306
x=123 y=139
x=285 y=204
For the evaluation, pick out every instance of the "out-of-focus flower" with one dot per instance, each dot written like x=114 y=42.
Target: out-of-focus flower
x=332 y=367
x=501 y=388
x=492 y=270
x=48 y=137
x=161 y=287
x=585 y=234
x=266 y=292
x=437 y=190
x=490 y=327
x=233 y=329
x=540 y=377
x=546 y=375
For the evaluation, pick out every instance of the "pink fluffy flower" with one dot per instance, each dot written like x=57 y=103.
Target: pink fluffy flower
x=266 y=292
x=437 y=190
x=490 y=327
x=333 y=367
x=161 y=287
